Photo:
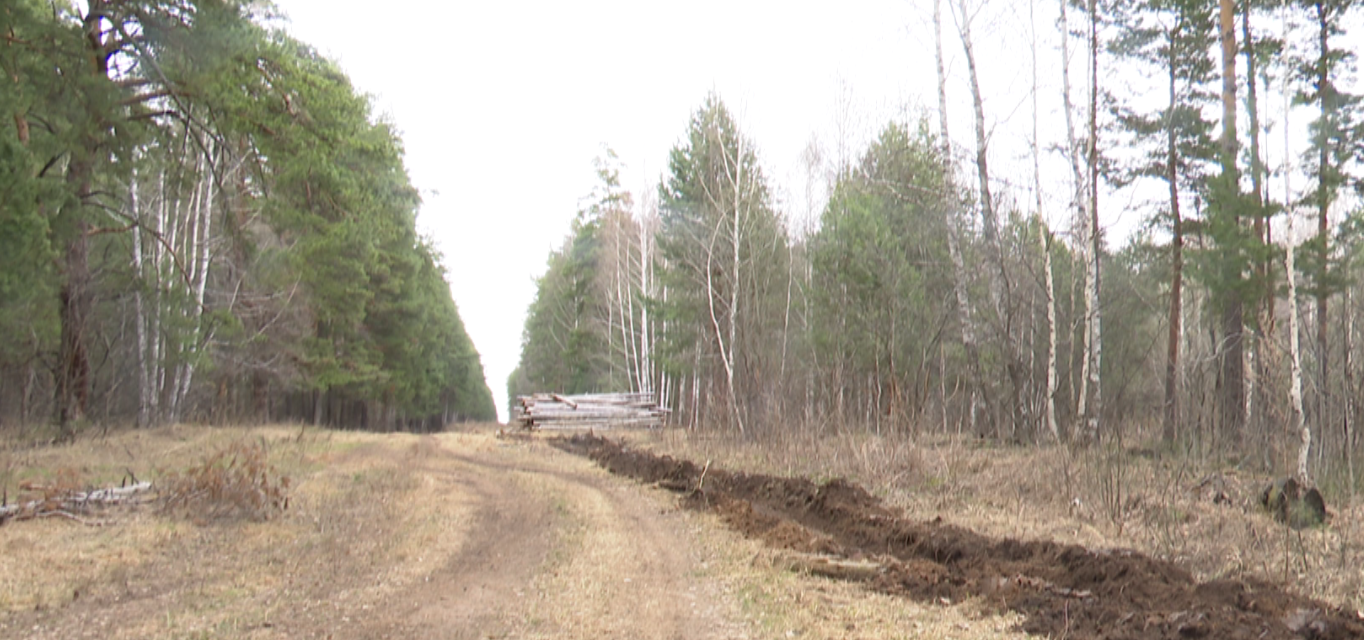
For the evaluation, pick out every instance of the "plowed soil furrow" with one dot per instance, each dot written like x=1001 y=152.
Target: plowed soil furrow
x=1061 y=590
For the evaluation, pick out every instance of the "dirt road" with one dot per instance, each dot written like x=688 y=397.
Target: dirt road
x=557 y=548
x=461 y=535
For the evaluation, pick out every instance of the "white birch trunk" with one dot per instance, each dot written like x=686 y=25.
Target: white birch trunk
x=646 y=361
x=200 y=249
x=1049 y=403
x=611 y=320
x=1051 y=340
x=734 y=290
x=942 y=76
x=182 y=243
x=989 y=221
x=1096 y=320
x=715 y=320
x=144 y=390
x=1089 y=242
x=959 y=277
x=1295 y=356
x=158 y=269
x=1290 y=269
x=618 y=304
x=786 y=316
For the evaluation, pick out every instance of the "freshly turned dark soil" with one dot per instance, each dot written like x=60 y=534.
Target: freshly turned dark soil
x=1061 y=590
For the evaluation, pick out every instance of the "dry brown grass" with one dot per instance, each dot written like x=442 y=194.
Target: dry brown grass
x=372 y=517
x=1104 y=498
x=349 y=537
x=237 y=481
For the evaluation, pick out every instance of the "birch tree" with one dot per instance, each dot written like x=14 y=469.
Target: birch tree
x=977 y=392
x=723 y=248
x=1000 y=290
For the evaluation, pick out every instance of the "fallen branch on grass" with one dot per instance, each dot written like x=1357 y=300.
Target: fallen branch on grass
x=58 y=502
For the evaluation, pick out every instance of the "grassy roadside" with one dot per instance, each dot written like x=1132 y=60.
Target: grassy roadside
x=348 y=537
x=1205 y=518
x=778 y=603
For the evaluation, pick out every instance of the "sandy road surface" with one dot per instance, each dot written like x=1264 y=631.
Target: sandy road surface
x=460 y=535
x=558 y=548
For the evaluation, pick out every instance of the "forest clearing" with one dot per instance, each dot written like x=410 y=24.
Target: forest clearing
x=484 y=533
x=1037 y=377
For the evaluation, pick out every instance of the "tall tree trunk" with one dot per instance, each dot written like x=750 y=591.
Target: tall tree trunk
x=968 y=335
x=734 y=288
x=73 y=379
x=645 y=329
x=942 y=79
x=158 y=347
x=1082 y=204
x=1351 y=394
x=1257 y=372
x=1169 y=430
x=999 y=278
x=989 y=222
x=75 y=300
x=1324 y=197
x=203 y=241
x=786 y=319
x=728 y=349
x=144 y=383
x=1049 y=402
x=1095 y=369
x=1299 y=418
x=1232 y=397
x=1295 y=357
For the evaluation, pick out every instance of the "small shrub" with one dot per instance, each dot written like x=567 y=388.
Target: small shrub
x=235 y=482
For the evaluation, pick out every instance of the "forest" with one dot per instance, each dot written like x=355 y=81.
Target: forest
x=930 y=296
x=201 y=219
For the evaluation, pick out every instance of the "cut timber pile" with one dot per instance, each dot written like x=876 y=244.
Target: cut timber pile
x=597 y=410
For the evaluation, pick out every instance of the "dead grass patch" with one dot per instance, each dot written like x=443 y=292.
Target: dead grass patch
x=358 y=529
x=237 y=481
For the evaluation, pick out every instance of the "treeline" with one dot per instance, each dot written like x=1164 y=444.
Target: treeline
x=932 y=295
x=201 y=219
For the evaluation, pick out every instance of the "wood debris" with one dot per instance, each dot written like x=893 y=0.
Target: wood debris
x=593 y=410
x=57 y=502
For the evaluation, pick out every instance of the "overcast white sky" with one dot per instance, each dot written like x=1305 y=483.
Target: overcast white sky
x=504 y=105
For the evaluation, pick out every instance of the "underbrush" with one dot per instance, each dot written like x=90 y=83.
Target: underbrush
x=235 y=481
x=1202 y=515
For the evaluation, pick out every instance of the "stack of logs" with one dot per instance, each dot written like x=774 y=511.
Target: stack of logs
x=596 y=410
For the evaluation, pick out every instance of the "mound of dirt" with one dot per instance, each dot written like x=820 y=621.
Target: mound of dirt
x=1061 y=590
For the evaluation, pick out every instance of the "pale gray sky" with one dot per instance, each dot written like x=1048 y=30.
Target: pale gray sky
x=504 y=105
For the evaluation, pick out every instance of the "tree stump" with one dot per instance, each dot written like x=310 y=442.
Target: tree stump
x=1288 y=502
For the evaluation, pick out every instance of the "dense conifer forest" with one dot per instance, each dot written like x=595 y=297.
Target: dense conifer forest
x=201 y=219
